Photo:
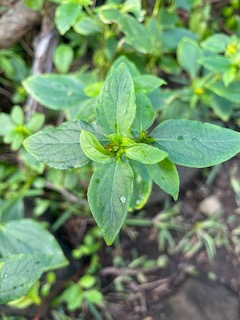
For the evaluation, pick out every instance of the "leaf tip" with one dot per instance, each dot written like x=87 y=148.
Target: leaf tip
x=109 y=240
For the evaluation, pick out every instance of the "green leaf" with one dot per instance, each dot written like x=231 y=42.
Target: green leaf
x=56 y=92
x=28 y=236
x=145 y=113
x=109 y=196
x=66 y=15
x=116 y=103
x=87 y=281
x=34 y=4
x=31 y=162
x=60 y=147
x=222 y=107
x=216 y=43
x=93 y=296
x=130 y=65
x=165 y=175
x=17 y=115
x=229 y=75
x=63 y=57
x=6 y=123
x=86 y=26
x=188 y=54
x=11 y=210
x=195 y=144
x=136 y=34
x=145 y=154
x=172 y=37
x=231 y=92
x=72 y=296
x=142 y=185
x=18 y=273
x=215 y=63
x=36 y=121
x=93 y=149
x=147 y=83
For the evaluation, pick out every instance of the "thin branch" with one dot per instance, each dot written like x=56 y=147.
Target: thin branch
x=66 y=194
x=5 y=93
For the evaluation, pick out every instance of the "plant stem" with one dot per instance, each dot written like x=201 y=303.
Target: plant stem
x=156 y=8
x=139 y=222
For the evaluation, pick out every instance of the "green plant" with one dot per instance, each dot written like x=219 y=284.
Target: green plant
x=211 y=81
x=14 y=130
x=124 y=151
x=206 y=234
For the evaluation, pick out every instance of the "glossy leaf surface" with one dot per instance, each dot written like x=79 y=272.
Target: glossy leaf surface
x=56 y=92
x=109 y=196
x=28 y=236
x=93 y=149
x=116 y=103
x=165 y=175
x=18 y=273
x=196 y=144
x=145 y=154
x=60 y=147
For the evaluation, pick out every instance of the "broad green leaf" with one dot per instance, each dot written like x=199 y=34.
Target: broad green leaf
x=222 y=107
x=147 y=83
x=109 y=196
x=231 y=92
x=229 y=75
x=108 y=15
x=215 y=63
x=31 y=162
x=172 y=37
x=66 y=15
x=130 y=65
x=11 y=210
x=137 y=35
x=169 y=65
x=196 y=144
x=63 y=57
x=145 y=113
x=142 y=185
x=35 y=122
x=28 y=236
x=87 y=281
x=56 y=92
x=116 y=103
x=188 y=54
x=93 y=149
x=60 y=147
x=6 y=123
x=86 y=111
x=86 y=26
x=216 y=43
x=72 y=296
x=165 y=175
x=93 y=296
x=145 y=154
x=93 y=89
x=17 y=115
x=18 y=273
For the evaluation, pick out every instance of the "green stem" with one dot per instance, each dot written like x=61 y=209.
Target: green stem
x=156 y=8
x=139 y=222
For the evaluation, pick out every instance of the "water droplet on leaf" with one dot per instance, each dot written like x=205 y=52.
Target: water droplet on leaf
x=5 y=275
x=123 y=199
